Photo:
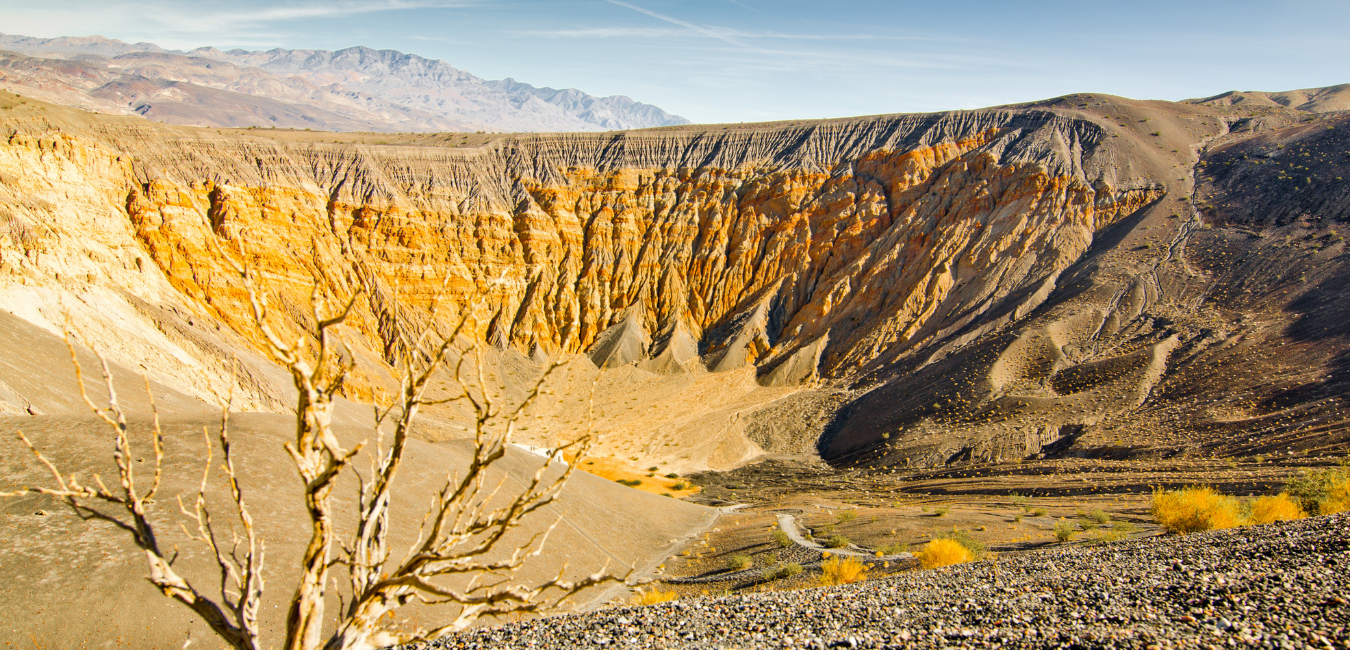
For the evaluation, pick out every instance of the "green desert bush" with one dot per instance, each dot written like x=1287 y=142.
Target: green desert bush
x=1099 y=517
x=782 y=571
x=1324 y=492
x=846 y=516
x=1064 y=530
x=893 y=548
x=1038 y=512
x=837 y=541
x=740 y=562
x=781 y=538
x=630 y=482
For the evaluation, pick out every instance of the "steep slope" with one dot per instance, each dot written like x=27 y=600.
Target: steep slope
x=975 y=286
x=1316 y=100
x=1209 y=325
x=351 y=89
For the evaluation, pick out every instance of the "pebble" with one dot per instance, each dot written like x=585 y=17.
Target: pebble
x=1275 y=586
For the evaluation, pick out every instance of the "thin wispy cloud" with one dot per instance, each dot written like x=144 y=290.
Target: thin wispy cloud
x=723 y=60
x=177 y=24
x=283 y=13
x=706 y=31
x=739 y=35
x=605 y=32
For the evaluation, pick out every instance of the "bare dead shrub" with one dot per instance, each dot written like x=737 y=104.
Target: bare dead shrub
x=460 y=531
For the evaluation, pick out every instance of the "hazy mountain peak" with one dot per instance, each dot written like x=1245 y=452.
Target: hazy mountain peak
x=354 y=88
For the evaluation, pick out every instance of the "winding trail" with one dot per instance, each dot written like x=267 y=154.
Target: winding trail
x=788 y=524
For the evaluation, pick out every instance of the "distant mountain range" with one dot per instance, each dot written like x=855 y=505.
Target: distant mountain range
x=352 y=89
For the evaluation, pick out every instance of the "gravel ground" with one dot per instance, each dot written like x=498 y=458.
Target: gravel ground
x=1276 y=586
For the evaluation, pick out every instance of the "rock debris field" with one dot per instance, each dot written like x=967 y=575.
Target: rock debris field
x=1275 y=586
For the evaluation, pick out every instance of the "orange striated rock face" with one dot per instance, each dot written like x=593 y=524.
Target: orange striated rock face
x=852 y=251
x=878 y=255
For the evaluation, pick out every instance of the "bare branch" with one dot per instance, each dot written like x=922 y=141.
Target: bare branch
x=462 y=531
x=239 y=631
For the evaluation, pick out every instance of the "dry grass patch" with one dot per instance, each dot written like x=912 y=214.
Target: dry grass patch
x=740 y=562
x=1196 y=509
x=652 y=596
x=618 y=471
x=1280 y=507
x=842 y=570
x=943 y=552
x=1338 y=496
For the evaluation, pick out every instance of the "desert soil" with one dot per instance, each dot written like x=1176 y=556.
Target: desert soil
x=1273 y=586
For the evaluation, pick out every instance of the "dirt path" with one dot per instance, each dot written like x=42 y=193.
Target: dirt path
x=788 y=524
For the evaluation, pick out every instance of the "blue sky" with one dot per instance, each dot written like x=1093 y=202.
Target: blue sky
x=747 y=60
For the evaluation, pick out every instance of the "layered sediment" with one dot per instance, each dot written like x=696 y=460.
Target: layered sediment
x=987 y=284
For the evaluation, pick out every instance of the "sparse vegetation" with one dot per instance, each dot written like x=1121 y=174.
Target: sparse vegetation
x=740 y=562
x=782 y=571
x=841 y=571
x=1108 y=535
x=652 y=596
x=1064 y=530
x=893 y=548
x=672 y=475
x=941 y=512
x=837 y=541
x=780 y=537
x=846 y=516
x=1280 y=507
x=1196 y=509
x=964 y=538
x=1038 y=512
x=1097 y=517
x=943 y=552
x=680 y=486
x=1324 y=491
x=630 y=482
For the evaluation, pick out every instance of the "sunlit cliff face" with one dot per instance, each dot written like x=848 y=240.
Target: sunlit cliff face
x=910 y=263
x=876 y=255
